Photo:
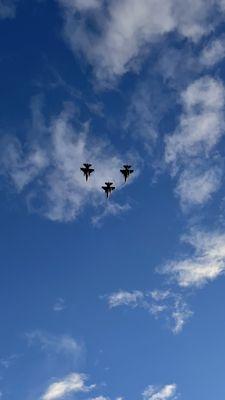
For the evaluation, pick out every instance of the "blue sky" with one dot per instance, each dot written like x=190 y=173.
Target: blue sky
x=121 y=298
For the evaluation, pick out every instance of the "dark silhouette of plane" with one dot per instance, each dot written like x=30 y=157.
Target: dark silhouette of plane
x=108 y=188
x=87 y=170
x=126 y=171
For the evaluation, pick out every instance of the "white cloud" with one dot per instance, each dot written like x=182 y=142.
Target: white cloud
x=201 y=124
x=147 y=105
x=125 y=29
x=59 y=305
x=160 y=393
x=111 y=208
x=213 y=53
x=7 y=8
x=9 y=361
x=205 y=264
x=21 y=168
x=159 y=295
x=158 y=303
x=73 y=383
x=76 y=383
x=125 y=298
x=63 y=345
x=196 y=187
x=180 y=314
x=171 y=305
x=200 y=129
x=47 y=170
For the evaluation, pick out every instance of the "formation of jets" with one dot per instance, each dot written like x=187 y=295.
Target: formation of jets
x=108 y=188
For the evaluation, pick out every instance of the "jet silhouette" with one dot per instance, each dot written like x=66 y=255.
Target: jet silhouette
x=108 y=188
x=87 y=170
x=126 y=171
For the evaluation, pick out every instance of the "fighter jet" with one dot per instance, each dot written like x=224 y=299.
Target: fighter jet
x=126 y=171
x=108 y=188
x=87 y=170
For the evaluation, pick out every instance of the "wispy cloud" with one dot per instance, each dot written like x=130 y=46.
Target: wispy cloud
x=180 y=314
x=171 y=306
x=197 y=185
x=122 y=298
x=64 y=345
x=8 y=8
x=206 y=263
x=126 y=28
x=160 y=393
x=159 y=303
x=213 y=52
x=149 y=103
x=201 y=124
x=73 y=383
x=7 y=362
x=189 y=151
x=20 y=166
x=59 y=305
x=111 y=208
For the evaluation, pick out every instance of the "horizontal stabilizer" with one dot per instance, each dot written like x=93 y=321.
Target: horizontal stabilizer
x=87 y=165
x=127 y=166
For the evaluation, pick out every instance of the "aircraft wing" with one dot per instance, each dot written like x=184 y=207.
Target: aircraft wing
x=83 y=169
